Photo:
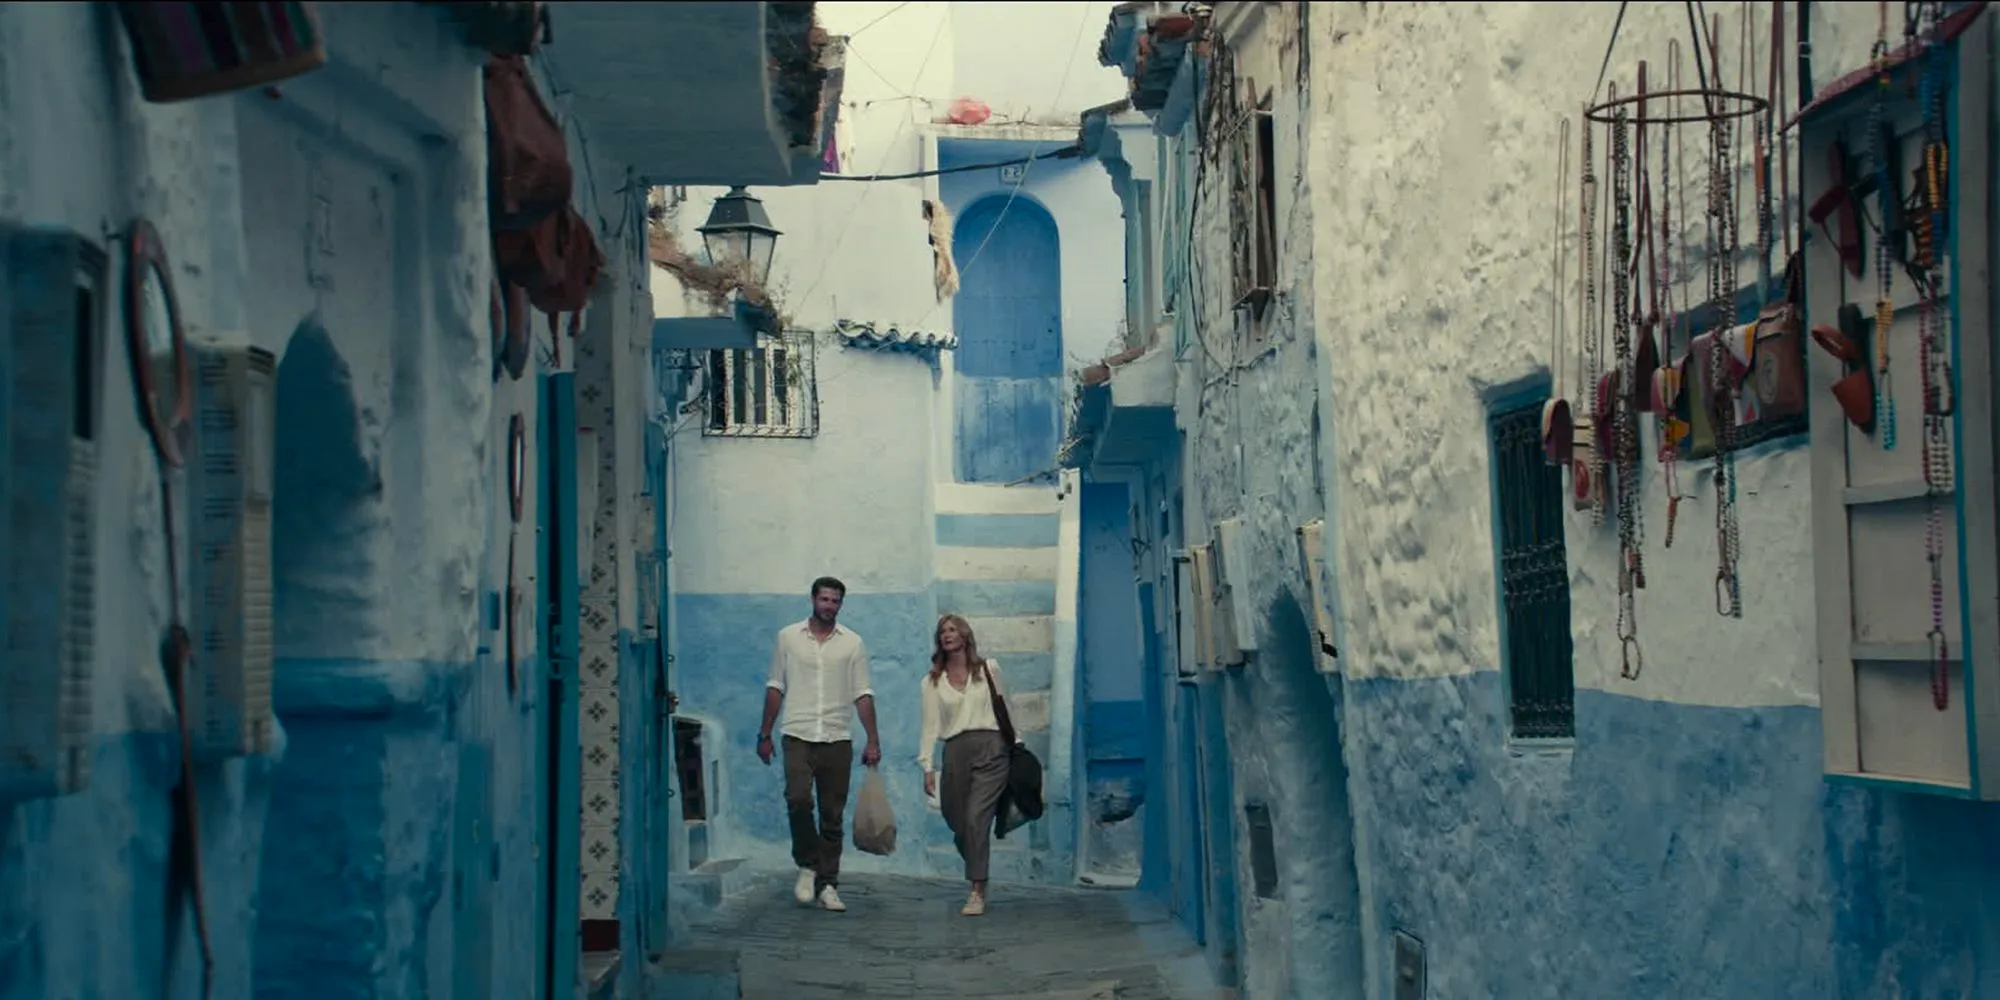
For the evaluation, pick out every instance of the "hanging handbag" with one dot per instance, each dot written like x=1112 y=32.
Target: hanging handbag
x=1021 y=801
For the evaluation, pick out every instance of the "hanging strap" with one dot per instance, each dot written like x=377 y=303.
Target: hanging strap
x=176 y=655
x=512 y=597
x=1000 y=714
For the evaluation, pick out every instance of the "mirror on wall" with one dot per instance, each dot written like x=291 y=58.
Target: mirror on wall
x=517 y=465
x=156 y=342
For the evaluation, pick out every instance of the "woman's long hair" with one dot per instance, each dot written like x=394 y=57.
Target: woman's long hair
x=938 y=655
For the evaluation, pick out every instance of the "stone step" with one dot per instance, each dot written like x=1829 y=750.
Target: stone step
x=695 y=974
x=995 y=598
x=1103 y=990
x=974 y=562
x=711 y=882
x=987 y=498
x=1002 y=634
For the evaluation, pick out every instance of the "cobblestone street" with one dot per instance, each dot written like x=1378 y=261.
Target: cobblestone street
x=904 y=938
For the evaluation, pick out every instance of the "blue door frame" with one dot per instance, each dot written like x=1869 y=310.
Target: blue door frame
x=1218 y=797
x=559 y=757
x=1191 y=875
x=660 y=762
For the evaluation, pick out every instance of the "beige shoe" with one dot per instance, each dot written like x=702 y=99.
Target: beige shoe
x=830 y=900
x=975 y=905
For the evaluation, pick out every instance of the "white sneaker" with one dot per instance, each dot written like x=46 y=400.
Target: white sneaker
x=975 y=905
x=830 y=900
x=802 y=890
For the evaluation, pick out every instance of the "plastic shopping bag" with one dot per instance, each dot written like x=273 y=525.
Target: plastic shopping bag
x=874 y=822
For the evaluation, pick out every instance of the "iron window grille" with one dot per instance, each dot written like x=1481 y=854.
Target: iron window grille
x=769 y=391
x=1534 y=578
x=1253 y=210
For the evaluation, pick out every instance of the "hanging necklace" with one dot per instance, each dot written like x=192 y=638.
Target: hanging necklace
x=1625 y=447
x=1933 y=340
x=1583 y=462
x=1722 y=407
x=1665 y=380
x=1885 y=310
x=1558 y=426
x=1602 y=387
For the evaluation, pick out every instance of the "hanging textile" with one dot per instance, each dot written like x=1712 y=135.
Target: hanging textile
x=181 y=51
x=502 y=28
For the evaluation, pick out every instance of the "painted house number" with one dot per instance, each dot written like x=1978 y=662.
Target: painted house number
x=1013 y=173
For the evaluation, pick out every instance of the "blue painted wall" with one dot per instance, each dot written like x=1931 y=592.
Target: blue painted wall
x=1119 y=734
x=1008 y=316
x=1672 y=830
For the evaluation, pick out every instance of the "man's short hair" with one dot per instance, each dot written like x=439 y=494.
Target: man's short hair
x=828 y=583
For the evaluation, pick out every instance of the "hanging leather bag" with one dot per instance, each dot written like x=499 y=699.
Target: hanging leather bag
x=527 y=160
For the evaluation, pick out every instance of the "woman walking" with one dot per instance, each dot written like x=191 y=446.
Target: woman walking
x=959 y=696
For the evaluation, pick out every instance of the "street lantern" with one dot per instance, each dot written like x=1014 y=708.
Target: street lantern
x=738 y=230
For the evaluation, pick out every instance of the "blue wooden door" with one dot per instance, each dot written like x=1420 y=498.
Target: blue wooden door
x=1008 y=317
x=1218 y=792
x=559 y=761
x=1191 y=871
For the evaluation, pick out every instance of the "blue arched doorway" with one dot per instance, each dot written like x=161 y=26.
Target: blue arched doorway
x=1008 y=316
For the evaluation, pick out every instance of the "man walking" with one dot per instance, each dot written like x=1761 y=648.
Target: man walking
x=818 y=667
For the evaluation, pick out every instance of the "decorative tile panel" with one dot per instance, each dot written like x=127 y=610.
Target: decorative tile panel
x=600 y=803
x=600 y=848
x=597 y=703
x=600 y=895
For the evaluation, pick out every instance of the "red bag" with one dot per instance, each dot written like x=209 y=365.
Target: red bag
x=527 y=159
x=552 y=267
x=556 y=262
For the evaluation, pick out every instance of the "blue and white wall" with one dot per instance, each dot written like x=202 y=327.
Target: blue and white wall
x=1267 y=734
x=1686 y=844
x=1040 y=294
x=876 y=498
x=387 y=846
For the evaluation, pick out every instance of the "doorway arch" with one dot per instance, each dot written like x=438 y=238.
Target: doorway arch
x=1008 y=317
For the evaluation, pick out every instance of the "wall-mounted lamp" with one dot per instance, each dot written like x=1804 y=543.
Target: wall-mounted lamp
x=739 y=230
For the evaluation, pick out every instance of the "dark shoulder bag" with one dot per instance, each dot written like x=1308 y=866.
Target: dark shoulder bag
x=1021 y=802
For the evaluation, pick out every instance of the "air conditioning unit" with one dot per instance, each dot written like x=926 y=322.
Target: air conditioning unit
x=1201 y=594
x=1313 y=558
x=1232 y=563
x=229 y=482
x=54 y=286
x=1187 y=630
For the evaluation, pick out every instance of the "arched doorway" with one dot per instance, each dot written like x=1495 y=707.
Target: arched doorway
x=1008 y=316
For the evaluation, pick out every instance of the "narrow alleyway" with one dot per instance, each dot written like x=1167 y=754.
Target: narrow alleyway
x=903 y=937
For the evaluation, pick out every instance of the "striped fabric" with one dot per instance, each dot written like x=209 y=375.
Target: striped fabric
x=187 y=50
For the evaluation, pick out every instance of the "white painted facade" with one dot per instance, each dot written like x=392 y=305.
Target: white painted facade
x=1479 y=309
x=1415 y=149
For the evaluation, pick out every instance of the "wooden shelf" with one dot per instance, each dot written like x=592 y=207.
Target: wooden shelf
x=1871 y=506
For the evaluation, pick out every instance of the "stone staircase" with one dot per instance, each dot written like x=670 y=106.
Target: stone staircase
x=996 y=561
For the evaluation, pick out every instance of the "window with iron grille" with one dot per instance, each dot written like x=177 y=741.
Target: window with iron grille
x=1538 y=655
x=1253 y=213
x=767 y=391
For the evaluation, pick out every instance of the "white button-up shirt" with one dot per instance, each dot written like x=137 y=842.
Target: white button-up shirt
x=821 y=681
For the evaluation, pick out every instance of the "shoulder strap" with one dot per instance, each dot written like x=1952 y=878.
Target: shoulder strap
x=999 y=707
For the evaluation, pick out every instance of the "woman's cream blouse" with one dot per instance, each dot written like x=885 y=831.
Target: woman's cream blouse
x=949 y=711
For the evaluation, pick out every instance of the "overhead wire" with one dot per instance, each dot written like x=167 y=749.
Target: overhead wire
x=888 y=150
x=1062 y=84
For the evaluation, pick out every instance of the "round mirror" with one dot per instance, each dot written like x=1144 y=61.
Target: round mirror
x=156 y=342
x=517 y=464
